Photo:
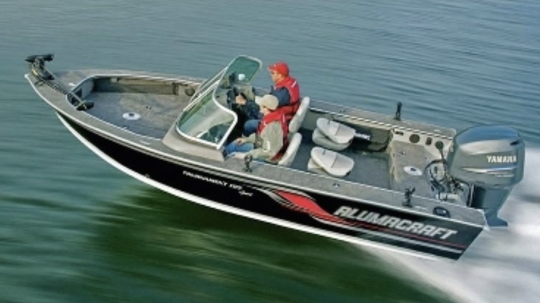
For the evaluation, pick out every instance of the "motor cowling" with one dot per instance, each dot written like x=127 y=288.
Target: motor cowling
x=491 y=158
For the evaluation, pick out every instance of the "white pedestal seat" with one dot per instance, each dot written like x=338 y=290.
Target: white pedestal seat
x=330 y=162
x=333 y=135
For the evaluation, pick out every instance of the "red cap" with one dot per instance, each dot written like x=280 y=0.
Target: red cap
x=280 y=68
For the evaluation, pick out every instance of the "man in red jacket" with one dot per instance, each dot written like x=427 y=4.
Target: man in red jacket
x=270 y=138
x=285 y=88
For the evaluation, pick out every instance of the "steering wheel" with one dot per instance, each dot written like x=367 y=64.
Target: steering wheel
x=231 y=97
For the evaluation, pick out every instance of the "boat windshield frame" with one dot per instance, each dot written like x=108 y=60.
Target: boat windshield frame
x=205 y=110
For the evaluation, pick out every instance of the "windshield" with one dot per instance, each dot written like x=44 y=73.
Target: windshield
x=207 y=83
x=208 y=118
x=240 y=71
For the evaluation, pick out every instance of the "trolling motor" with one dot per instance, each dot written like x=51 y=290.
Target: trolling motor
x=40 y=71
x=37 y=66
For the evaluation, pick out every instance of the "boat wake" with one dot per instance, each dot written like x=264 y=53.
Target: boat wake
x=501 y=265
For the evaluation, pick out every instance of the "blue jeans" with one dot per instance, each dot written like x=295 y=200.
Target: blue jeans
x=251 y=126
x=234 y=147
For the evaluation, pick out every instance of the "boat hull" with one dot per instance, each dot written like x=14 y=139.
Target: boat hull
x=361 y=223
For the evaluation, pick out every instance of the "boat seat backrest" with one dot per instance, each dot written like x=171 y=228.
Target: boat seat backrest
x=331 y=162
x=335 y=131
x=294 y=144
x=321 y=140
x=298 y=118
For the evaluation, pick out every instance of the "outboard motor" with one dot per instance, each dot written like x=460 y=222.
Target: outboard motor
x=491 y=158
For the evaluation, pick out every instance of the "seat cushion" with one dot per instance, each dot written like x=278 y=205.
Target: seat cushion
x=320 y=139
x=337 y=132
x=312 y=166
x=332 y=162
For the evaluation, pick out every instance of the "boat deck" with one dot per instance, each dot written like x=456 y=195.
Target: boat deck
x=371 y=168
x=147 y=105
x=157 y=112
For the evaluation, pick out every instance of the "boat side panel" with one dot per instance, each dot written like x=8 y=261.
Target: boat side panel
x=429 y=235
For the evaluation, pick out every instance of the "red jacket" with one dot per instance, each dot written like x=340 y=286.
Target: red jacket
x=272 y=117
x=293 y=88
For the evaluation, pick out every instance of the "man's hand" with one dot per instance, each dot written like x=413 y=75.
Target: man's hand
x=240 y=141
x=240 y=100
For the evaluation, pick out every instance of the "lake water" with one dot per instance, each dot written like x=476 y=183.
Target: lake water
x=74 y=229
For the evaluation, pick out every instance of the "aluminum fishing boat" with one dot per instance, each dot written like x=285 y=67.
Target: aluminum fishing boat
x=347 y=173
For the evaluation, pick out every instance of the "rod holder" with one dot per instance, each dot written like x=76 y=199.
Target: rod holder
x=398 y=112
x=247 y=161
x=408 y=195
